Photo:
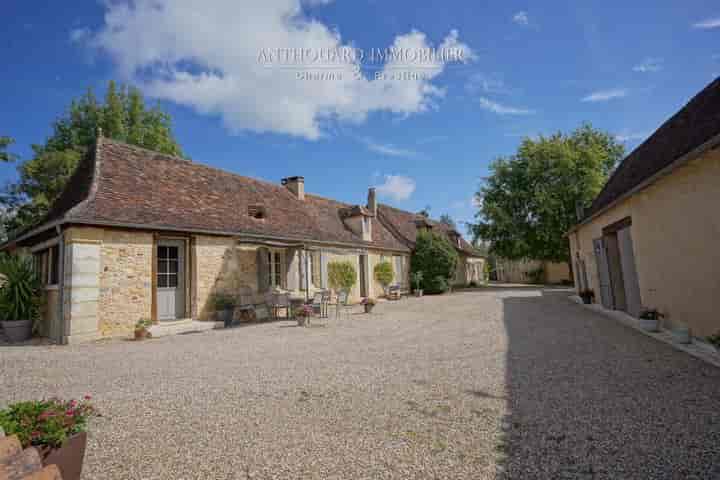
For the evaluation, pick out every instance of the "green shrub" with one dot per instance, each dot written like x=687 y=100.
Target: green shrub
x=434 y=256
x=437 y=284
x=341 y=276
x=46 y=422
x=384 y=273
x=21 y=290
x=223 y=301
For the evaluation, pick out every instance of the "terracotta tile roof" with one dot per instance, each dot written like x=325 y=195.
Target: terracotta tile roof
x=404 y=224
x=127 y=185
x=695 y=124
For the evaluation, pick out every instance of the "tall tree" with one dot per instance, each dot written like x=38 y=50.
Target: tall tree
x=529 y=201
x=6 y=156
x=122 y=116
x=448 y=220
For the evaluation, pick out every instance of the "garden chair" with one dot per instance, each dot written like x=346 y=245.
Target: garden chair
x=278 y=302
x=318 y=304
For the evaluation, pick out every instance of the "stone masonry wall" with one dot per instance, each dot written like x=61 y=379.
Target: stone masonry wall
x=221 y=267
x=125 y=280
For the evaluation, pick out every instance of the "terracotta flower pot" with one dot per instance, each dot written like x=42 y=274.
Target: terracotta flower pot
x=141 y=334
x=69 y=457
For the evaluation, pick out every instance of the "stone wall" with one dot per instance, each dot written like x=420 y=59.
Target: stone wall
x=125 y=280
x=81 y=284
x=221 y=267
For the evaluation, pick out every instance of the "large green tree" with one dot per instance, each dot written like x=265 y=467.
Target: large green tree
x=6 y=156
x=529 y=201
x=123 y=115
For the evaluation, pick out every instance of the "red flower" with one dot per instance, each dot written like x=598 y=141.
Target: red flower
x=35 y=434
x=70 y=412
x=87 y=397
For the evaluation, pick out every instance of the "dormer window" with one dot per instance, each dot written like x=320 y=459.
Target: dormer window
x=256 y=211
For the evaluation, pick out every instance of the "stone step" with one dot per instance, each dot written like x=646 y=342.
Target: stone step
x=163 y=329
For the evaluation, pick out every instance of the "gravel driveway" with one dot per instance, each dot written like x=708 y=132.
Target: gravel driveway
x=516 y=383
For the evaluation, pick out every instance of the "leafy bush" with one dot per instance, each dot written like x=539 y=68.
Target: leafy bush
x=143 y=324
x=223 y=301
x=715 y=340
x=46 y=422
x=437 y=284
x=435 y=256
x=20 y=293
x=341 y=276
x=384 y=273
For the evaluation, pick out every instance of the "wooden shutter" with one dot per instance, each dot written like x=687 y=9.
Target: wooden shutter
x=263 y=270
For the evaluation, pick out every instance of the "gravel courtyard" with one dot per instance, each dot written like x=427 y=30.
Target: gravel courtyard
x=503 y=383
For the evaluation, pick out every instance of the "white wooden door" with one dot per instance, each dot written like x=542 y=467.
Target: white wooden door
x=170 y=280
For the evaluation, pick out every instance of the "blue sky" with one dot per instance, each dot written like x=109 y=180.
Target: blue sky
x=530 y=68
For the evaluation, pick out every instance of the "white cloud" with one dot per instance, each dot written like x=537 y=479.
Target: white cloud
x=500 y=109
x=397 y=187
x=649 y=65
x=605 y=95
x=489 y=84
x=630 y=136
x=521 y=18
x=205 y=55
x=388 y=149
x=79 y=34
x=708 y=23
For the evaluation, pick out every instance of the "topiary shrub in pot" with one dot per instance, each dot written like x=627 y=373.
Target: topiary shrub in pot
x=384 y=274
x=56 y=428
x=342 y=276
x=20 y=296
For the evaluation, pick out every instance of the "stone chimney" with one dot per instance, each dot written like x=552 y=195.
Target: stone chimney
x=296 y=185
x=372 y=201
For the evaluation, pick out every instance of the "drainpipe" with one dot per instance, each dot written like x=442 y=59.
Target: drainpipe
x=61 y=285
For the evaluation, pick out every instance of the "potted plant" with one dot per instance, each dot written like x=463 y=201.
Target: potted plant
x=587 y=296
x=142 y=329
x=417 y=278
x=650 y=320
x=303 y=314
x=384 y=274
x=57 y=428
x=224 y=306
x=20 y=296
x=368 y=304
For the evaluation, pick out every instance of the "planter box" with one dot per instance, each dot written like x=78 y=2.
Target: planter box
x=69 y=457
x=17 y=330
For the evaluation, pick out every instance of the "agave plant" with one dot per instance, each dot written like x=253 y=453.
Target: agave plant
x=20 y=288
